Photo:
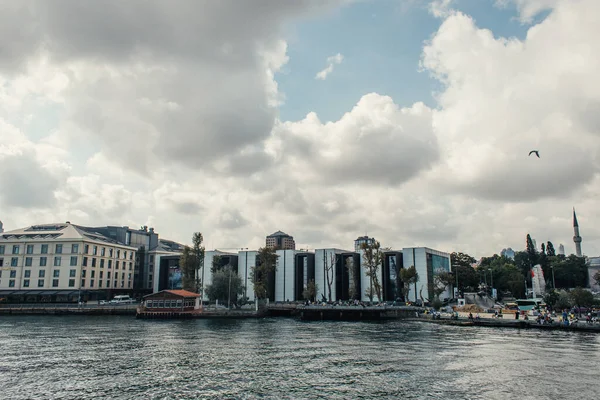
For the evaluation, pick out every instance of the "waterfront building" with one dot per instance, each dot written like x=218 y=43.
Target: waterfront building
x=247 y=260
x=281 y=240
x=576 y=237
x=428 y=263
x=304 y=263
x=164 y=265
x=171 y=300
x=61 y=261
x=285 y=275
x=391 y=283
x=363 y=240
x=593 y=269
x=327 y=270
x=214 y=260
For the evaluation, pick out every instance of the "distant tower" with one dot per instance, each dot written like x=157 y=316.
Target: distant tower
x=576 y=238
x=561 y=249
x=363 y=240
x=1 y=227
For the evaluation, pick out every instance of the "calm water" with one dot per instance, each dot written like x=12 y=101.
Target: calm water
x=124 y=358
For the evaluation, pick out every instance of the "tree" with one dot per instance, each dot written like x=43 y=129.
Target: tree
x=373 y=258
x=329 y=271
x=531 y=251
x=550 y=252
x=582 y=297
x=551 y=297
x=198 y=260
x=188 y=269
x=216 y=264
x=564 y=301
x=543 y=249
x=409 y=276
x=569 y=272
x=310 y=293
x=508 y=278
x=260 y=275
x=522 y=261
x=467 y=276
x=226 y=285
x=441 y=282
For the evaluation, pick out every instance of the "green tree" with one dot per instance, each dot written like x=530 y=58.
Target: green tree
x=217 y=262
x=522 y=261
x=550 y=249
x=373 y=258
x=508 y=278
x=188 y=269
x=261 y=273
x=551 y=297
x=569 y=272
x=409 y=276
x=197 y=255
x=226 y=285
x=563 y=302
x=582 y=297
x=441 y=281
x=310 y=292
x=462 y=265
x=531 y=251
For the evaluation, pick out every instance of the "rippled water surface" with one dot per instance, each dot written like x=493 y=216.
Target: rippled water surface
x=125 y=358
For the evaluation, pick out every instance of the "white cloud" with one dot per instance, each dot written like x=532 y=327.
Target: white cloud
x=331 y=62
x=528 y=9
x=440 y=8
x=179 y=130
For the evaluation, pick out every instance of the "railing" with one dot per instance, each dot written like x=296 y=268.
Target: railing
x=68 y=306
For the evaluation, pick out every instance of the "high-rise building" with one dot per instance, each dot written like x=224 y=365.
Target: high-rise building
x=576 y=237
x=358 y=243
x=508 y=253
x=281 y=240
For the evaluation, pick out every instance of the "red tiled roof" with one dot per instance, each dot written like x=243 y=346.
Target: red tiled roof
x=183 y=293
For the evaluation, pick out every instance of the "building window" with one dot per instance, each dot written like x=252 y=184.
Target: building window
x=108 y=274
x=42 y=261
x=26 y=283
x=149 y=277
x=75 y=249
x=130 y=266
x=13 y=274
x=122 y=284
x=99 y=283
x=110 y=252
x=11 y=283
x=107 y=283
x=101 y=274
x=118 y=253
x=29 y=249
x=102 y=252
x=93 y=262
x=83 y=273
x=14 y=261
x=109 y=264
x=42 y=273
x=102 y=263
x=58 y=249
x=15 y=249
x=57 y=261
x=73 y=261
x=82 y=282
x=2 y=249
x=72 y=273
x=44 y=249
x=56 y=273
x=27 y=273
x=84 y=261
x=54 y=282
x=117 y=264
x=115 y=284
x=1 y=262
x=91 y=283
x=71 y=282
x=131 y=255
x=40 y=283
x=86 y=249
x=95 y=251
x=28 y=261
x=125 y=255
x=93 y=274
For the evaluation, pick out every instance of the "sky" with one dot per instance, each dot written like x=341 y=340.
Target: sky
x=409 y=121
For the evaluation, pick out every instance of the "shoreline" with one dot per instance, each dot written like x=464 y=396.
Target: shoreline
x=514 y=324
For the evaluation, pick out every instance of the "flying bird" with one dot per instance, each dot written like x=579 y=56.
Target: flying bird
x=536 y=153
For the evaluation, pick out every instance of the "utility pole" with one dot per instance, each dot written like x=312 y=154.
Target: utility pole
x=229 y=293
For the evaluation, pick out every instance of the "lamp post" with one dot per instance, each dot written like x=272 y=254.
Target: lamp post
x=553 y=282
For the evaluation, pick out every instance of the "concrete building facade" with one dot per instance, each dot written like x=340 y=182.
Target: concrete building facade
x=428 y=263
x=281 y=240
x=63 y=258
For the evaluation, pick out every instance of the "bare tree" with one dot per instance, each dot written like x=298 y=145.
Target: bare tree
x=373 y=257
x=329 y=272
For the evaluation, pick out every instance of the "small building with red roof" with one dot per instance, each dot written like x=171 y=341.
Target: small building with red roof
x=172 y=300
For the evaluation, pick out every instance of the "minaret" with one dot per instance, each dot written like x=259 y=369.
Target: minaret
x=576 y=238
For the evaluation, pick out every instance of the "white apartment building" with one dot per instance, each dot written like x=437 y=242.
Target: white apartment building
x=62 y=258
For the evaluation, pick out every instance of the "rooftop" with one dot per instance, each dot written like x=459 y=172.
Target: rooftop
x=279 y=233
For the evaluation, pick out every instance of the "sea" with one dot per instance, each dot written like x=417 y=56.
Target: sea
x=120 y=357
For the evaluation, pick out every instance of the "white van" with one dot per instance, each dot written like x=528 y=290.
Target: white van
x=122 y=299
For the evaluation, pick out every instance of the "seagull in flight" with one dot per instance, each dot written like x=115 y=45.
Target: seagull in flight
x=536 y=153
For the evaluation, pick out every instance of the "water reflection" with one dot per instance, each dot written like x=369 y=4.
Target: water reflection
x=120 y=357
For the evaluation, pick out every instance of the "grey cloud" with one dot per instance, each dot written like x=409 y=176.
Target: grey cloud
x=25 y=183
x=232 y=219
x=186 y=207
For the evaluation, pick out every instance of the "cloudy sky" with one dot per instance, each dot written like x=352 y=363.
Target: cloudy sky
x=410 y=121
